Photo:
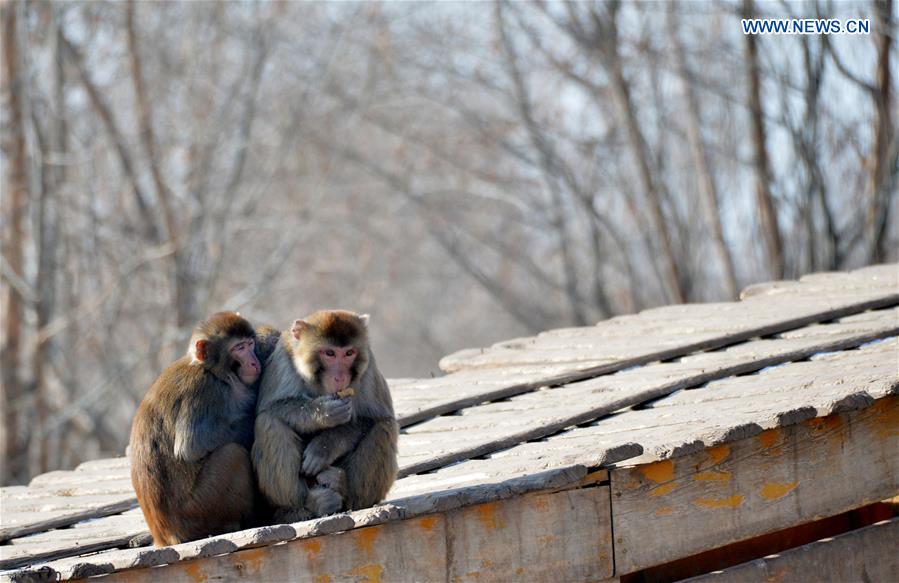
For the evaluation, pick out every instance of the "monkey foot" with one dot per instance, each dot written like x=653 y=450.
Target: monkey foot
x=332 y=478
x=323 y=501
x=288 y=515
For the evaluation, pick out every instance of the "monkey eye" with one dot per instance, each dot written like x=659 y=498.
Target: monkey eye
x=350 y=352
x=329 y=352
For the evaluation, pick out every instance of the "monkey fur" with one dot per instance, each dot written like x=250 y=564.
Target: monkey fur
x=191 y=436
x=315 y=453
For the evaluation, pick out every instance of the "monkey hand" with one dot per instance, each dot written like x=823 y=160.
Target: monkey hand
x=330 y=412
x=315 y=458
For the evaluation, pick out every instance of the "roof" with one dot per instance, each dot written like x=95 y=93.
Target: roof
x=540 y=412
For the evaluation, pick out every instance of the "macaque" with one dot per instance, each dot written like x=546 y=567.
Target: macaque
x=316 y=452
x=192 y=434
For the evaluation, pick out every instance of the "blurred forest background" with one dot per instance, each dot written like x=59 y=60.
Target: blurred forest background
x=465 y=172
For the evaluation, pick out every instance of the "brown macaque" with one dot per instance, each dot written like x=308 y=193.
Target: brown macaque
x=315 y=452
x=192 y=434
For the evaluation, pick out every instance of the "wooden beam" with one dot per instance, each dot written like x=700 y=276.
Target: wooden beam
x=411 y=550
x=565 y=536
x=554 y=536
x=867 y=554
x=782 y=477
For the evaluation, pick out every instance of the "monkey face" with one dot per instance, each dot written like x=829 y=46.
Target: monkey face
x=336 y=371
x=245 y=362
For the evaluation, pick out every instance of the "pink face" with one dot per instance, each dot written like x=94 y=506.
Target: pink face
x=241 y=350
x=337 y=362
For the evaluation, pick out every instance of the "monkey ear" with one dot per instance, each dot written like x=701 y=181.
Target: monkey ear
x=202 y=350
x=299 y=327
x=364 y=319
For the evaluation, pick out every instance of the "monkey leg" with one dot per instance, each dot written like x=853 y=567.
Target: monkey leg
x=277 y=458
x=222 y=499
x=371 y=467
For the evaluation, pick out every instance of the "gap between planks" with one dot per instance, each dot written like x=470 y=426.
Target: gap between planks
x=515 y=438
x=886 y=301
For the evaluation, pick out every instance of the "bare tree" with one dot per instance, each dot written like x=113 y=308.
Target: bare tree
x=886 y=147
x=707 y=188
x=14 y=213
x=764 y=200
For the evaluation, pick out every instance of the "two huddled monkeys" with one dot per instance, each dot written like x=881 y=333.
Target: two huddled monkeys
x=314 y=453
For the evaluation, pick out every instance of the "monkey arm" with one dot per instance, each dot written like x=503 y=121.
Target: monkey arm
x=332 y=444
x=198 y=433
x=305 y=415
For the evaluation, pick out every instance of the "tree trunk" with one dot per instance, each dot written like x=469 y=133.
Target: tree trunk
x=763 y=198
x=15 y=204
x=707 y=189
x=608 y=47
x=882 y=178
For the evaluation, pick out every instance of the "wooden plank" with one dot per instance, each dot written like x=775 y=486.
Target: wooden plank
x=864 y=555
x=675 y=508
x=38 y=522
x=740 y=407
x=116 y=531
x=412 y=550
x=658 y=329
x=56 y=499
x=432 y=397
x=564 y=536
x=488 y=428
x=555 y=532
x=439 y=500
x=645 y=345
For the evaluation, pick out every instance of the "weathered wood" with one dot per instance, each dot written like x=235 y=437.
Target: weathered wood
x=556 y=534
x=432 y=397
x=565 y=536
x=439 y=500
x=487 y=428
x=411 y=550
x=701 y=326
x=56 y=499
x=864 y=555
x=115 y=531
x=67 y=517
x=639 y=347
x=675 y=508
